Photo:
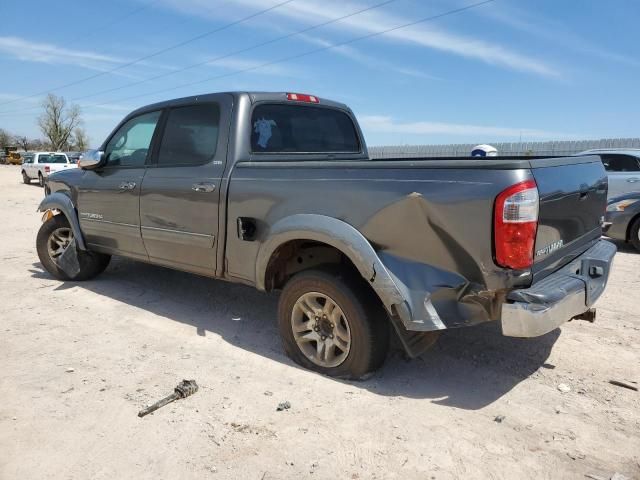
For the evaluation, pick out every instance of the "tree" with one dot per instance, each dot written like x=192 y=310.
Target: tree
x=80 y=139
x=58 y=121
x=22 y=142
x=5 y=138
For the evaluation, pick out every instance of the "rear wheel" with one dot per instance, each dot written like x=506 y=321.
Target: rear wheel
x=54 y=237
x=333 y=324
x=40 y=179
x=634 y=234
x=25 y=177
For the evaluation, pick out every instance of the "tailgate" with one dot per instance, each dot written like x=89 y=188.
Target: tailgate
x=573 y=199
x=57 y=167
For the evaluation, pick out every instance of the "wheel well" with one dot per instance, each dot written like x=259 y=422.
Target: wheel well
x=298 y=255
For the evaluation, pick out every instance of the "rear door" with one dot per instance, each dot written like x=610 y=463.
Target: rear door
x=181 y=190
x=109 y=197
x=623 y=172
x=573 y=199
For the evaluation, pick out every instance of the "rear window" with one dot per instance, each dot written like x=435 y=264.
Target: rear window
x=52 y=159
x=302 y=129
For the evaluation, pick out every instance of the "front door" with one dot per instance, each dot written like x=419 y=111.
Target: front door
x=109 y=197
x=180 y=191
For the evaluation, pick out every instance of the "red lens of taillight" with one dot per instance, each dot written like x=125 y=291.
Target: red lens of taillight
x=516 y=224
x=47 y=168
x=302 y=97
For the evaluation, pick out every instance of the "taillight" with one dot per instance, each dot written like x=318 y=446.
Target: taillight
x=302 y=97
x=515 y=225
x=47 y=168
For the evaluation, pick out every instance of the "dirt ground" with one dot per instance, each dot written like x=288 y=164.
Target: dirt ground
x=78 y=360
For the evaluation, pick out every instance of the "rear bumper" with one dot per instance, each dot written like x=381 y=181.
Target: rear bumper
x=566 y=293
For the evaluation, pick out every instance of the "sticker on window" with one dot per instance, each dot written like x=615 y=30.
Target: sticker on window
x=263 y=128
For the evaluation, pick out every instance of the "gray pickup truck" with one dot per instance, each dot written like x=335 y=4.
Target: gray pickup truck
x=276 y=191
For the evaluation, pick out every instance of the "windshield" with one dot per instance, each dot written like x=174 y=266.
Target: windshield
x=52 y=158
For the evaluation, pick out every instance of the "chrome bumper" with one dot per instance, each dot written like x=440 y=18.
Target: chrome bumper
x=561 y=296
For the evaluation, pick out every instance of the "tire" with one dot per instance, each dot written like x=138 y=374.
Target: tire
x=359 y=317
x=25 y=178
x=91 y=263
x=634 y=234
x=40 y=179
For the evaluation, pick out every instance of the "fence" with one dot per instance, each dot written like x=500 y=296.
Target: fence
x=564 y=147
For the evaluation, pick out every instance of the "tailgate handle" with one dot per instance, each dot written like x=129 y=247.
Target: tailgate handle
x=596 y=271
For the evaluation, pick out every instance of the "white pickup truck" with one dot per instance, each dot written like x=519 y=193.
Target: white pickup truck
x=41 y=164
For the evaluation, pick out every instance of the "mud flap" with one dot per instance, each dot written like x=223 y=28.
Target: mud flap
x=68 y=261
x=414 y=343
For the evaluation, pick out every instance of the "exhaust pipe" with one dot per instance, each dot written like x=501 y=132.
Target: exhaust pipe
x=589 y=316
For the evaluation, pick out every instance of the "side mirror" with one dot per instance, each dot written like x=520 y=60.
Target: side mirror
x=91 y=159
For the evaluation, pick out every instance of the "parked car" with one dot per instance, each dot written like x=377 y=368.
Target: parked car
x=623 y=168
x=622 y=220
x=277 y=191
x=41 y=164
x=74 y=156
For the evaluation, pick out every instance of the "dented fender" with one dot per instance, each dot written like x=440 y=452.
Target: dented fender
x=417 y=314
x=60 y=201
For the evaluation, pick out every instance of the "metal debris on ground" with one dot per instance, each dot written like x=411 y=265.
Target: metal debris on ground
x=283 y=406
x=618 y=383
x=183 y=390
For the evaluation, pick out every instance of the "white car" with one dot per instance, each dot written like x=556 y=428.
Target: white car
x=623 y=168
x=42 y=164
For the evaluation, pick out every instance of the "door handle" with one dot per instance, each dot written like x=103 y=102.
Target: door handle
x=633 y=180
x=203 y=187
x=127 y=185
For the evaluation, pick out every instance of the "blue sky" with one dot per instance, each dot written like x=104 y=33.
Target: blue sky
x=536 y=70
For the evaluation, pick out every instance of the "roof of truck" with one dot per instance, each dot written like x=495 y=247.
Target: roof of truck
x=253 y=96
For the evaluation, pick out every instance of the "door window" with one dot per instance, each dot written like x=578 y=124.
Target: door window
x=190 y=136
x=130 y=145
x=620 y=163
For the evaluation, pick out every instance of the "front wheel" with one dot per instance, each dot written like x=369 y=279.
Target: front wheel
x=634 y=234
x=25 y=178
x=333 y=324
x=54 y=237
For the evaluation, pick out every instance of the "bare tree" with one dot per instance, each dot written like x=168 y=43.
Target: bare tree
x=5 y=138
x=22 y=142
x=80 y=139
x=58 y=121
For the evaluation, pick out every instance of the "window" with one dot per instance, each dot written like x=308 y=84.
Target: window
x=129 y=147
x=620 y=163
x=52 y=158
x=302 y=129
x=190 y=136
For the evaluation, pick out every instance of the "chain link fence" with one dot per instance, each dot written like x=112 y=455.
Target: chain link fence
x=564 y=147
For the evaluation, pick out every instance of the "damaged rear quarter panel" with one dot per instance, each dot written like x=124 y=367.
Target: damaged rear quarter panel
x=431 y=227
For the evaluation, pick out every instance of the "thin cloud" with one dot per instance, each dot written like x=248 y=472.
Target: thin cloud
x=552 y=30
x=368 y=60
x=385 y=124
x=26 y=50
x=427 y=36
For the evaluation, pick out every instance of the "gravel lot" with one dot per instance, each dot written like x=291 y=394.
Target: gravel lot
x=78 y=361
